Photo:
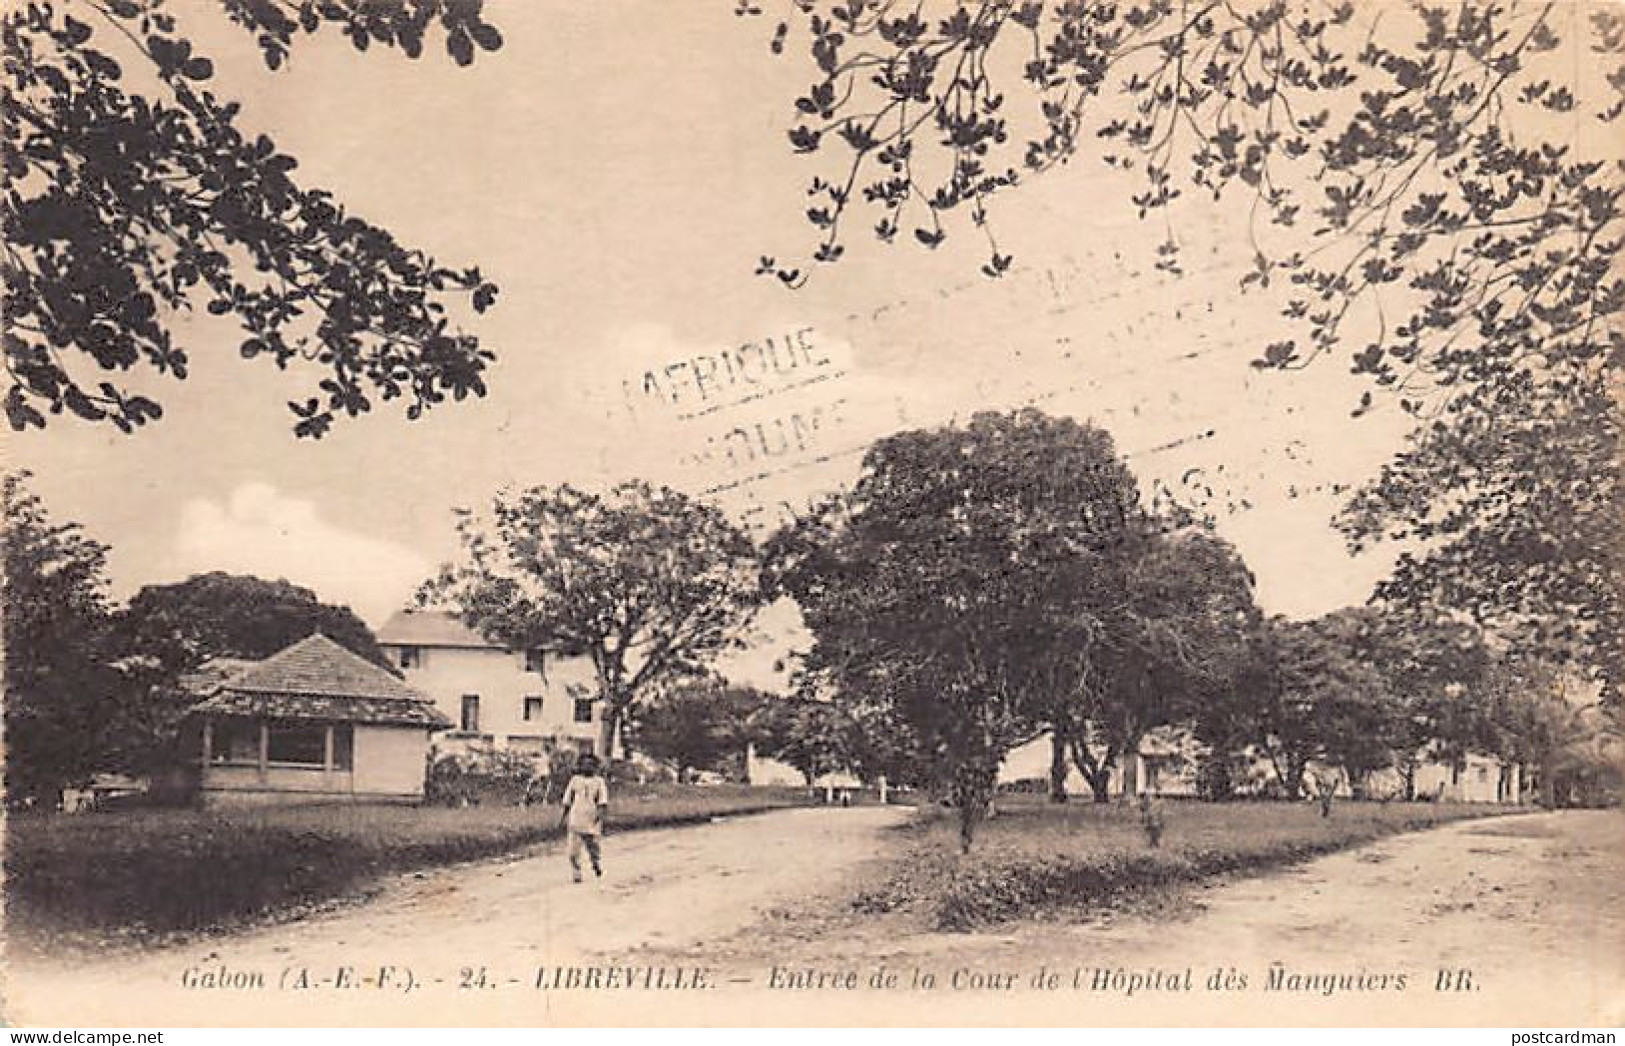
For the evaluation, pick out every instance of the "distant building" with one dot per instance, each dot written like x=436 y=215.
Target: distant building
x=311 y=723
x=1167 y=761
x=527 y=701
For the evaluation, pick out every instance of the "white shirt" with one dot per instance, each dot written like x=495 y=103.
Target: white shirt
x=585 y=798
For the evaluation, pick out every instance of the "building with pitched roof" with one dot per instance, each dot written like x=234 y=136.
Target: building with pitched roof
x=529 y=701
x=311 y=723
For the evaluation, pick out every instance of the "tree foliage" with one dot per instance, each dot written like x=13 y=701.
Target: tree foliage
x=698 y=724
x=1430 y=186
x=183 y=624
x=1164 y=646
x=1438 y=668
x=137 y=194
x=1318 y=700
x=647 y=582
x=933 y=586
x=61 y=687
x=814 y=737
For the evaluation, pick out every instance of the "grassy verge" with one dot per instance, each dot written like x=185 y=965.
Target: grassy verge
x=143 y=876
x=1034 y=857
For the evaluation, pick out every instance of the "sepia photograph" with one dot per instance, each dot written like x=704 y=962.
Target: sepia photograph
x=813 y=513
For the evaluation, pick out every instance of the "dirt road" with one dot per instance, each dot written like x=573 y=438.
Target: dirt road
x=1532 y=908
x=672 y=888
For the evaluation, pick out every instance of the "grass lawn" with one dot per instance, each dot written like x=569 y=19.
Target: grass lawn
x=145 y=875
x=1034 y=856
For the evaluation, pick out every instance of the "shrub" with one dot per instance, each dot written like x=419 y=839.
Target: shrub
x=486 y=775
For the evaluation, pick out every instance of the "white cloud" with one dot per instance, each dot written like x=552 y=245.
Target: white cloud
x=259 y=530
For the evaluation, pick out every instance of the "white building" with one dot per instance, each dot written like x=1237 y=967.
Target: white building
x=1167 y=761
x=527 y=701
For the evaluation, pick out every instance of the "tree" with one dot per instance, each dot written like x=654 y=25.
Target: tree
x=1311 y=697
x=814 y=737
x=1528 y=540
x=647 y=582
x=930 y=588
x=217 y=614
x=1418 y=189
x=699 y=724
x=169 y=630
x=1436 y=667
x=137 y=198
x=1567 y=745
x=1164 y=649
x=62 y=689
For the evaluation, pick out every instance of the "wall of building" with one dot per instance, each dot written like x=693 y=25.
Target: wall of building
x=502 y=683
x=1477 y=781
x=389 y=760
x=230 y=785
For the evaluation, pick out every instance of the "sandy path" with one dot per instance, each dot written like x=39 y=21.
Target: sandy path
x=675 y=888
x=1532 y=905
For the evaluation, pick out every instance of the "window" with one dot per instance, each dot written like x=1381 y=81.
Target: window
x=583 y=710
x=536 y=661
x=411 y=657
x=343 y=746
x=470 y=722
x=235 y=741
x=533 y=709
x=583 y=746
x=299 y=744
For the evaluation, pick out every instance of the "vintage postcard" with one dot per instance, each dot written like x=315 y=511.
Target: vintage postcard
x=813 y=512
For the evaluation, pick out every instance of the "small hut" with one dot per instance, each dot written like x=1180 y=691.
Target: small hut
x=312 y=723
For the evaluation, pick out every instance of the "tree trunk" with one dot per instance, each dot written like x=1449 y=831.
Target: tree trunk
x=1100 y=783
x=1098 y=776
x=1410 y=780
x=973 y=793
x=608 y=727
x=1295 y=768
x=1131 y=771
x=1057 y=767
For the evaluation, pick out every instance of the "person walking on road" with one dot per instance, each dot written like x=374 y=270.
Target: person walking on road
x=586 y=799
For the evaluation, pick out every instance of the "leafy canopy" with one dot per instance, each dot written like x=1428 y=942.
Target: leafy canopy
x=60 y=685
x=935 y=585
x=1431 y=188
x=647 y=582
x=137 y=194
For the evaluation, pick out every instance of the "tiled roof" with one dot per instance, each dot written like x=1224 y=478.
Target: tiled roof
x=380 y=710
x=212 y=675
x=317 y=665
x=313 y=679
x=431 y=628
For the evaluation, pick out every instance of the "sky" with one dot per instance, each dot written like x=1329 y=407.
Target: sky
x=618 y=176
